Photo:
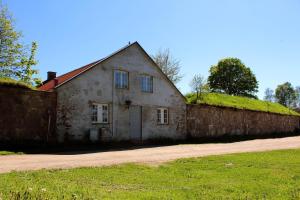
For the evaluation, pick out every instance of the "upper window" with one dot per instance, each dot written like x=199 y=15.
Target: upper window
x=162 y=116
x=100 y=113
x=121 y=79
x=147 y=84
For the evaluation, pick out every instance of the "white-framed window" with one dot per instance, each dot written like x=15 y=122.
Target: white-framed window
x=121 y=79
x=147 y=83
x=162 y=116
x=99 y=113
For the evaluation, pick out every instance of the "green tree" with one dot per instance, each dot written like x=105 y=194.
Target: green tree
x=298 y=96
x=169 y=65
x=285 y=94
x=232 y=77
x=15 y=60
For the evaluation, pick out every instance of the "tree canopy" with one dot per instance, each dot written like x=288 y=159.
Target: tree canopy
x=286 y=94
x=232 y=77
x=16 y=60
x=169 y=65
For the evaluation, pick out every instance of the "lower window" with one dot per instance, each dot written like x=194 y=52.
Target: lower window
x=162 y=116
x=99 y=113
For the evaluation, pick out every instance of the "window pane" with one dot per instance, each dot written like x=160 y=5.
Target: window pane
x=125 y=80
x=117 y=79
x=146 y=83
x=99 y=113
x=104 y=107
x=158 y=116
x=104 y=117
x=121 y=79
x=104 y=113
x=151 y=84
x=94 y=113
x=165 y=116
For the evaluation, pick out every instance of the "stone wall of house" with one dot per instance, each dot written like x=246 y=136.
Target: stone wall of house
x=76 y=97
x=212 y=121
x=27 y=115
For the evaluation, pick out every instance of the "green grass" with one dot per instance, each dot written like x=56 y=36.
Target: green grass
x=8 y=82
x=216 y=99
x=3 y=153
x=266 y=175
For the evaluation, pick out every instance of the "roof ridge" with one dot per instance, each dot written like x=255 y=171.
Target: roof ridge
x=97 y=62
x=59 y=80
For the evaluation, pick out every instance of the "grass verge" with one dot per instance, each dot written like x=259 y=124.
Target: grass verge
x=225 y=100
x=266 y=175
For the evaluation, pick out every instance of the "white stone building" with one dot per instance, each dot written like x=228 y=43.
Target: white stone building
x=124 y=96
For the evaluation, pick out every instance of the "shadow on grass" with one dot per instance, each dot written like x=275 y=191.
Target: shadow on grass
x=30 y=147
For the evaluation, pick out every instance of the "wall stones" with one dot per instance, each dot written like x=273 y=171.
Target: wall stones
x=27 y=115
x=212 y=121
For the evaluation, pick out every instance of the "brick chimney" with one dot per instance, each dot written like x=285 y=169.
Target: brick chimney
x=51 y=75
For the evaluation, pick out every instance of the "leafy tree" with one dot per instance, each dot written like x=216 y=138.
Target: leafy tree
x=286 y=94
x=27 y=72
x=169 y=65
x=15 y=61
x=297 y=90
x=232 y=77
x=269 y=95
x=199 y=85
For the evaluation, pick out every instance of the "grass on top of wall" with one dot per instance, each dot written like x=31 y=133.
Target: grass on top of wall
x=4 y=153
x=8 y=82
x=264 y=175
x=216 y=99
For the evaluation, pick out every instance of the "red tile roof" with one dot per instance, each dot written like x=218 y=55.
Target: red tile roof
x=50 y=85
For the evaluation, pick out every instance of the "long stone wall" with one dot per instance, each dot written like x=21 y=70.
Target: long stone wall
x=27 y=115
x=212 y=121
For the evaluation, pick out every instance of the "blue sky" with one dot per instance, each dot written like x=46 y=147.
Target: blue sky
x=264 y=34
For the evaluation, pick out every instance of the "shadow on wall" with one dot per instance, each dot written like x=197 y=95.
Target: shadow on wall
x=27 y=116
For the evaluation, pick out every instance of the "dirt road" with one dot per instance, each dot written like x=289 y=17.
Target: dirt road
x=153 y=155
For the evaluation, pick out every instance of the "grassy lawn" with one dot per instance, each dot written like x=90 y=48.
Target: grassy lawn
x=241 y=103
x=3 y=153
x=267 y=175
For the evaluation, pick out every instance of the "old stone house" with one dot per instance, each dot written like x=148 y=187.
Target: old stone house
x=124 y=96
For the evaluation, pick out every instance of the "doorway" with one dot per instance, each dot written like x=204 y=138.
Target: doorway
x=135 y=123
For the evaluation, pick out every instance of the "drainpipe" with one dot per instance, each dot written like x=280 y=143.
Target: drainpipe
x=112 y=105
x=49 y=123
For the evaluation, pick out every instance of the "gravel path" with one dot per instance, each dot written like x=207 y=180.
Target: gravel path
x=155 y=155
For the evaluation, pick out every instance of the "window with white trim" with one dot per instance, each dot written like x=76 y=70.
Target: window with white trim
x=99 y=113
x=162 y=116
x=121 y=79
x=147 y=83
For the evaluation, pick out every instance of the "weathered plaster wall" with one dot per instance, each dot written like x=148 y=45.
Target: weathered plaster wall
x=27 y=115
x=204 y=120
x=96 y=85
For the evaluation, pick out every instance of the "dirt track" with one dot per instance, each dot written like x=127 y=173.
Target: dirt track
x=153 y=155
